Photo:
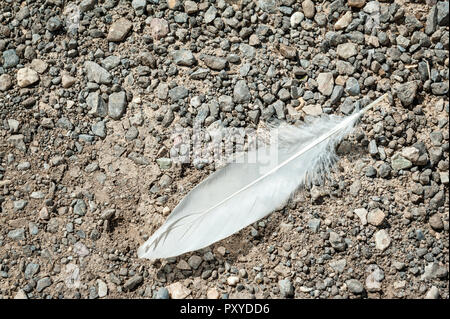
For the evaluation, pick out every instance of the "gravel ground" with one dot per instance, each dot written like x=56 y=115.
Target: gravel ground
x=90 y=92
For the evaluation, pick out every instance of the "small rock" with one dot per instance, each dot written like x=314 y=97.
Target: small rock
x=178 y=93
x=433 y=293
x=212 y=293
x=214 y=62
x=439 y=88
x=434 y=270
x=338 y=265
x=159 y=28
x=190 y=7
x=373 y=281
x=232 y=280
x=296 y=19
x=99 y=129
x=337 y=242
x=309 y=9
x=178 y=291
x=119 y=30
x=444 y=177
x=10 y=58
x=139 y=6
x=385 y=170
x=325 y=83
x=356 y=3
x=31 y=270
x=372 y=7
x=80 y=249
x=27 y=77
x=111 y=62
x=97 y=74
x=195 y=261
x=288 y=52
x=436 y=222
x=376 y=217
x=398 y=162
x=24 y=166
x=362 y=214
x=355 y=188
x=268 y=6
x=348 y=106
x=407 y=92
x=313 y=110
x=162 y=91
x=97 y=105
x=108 y=214
x=116 y=105
x=373 y=149
x=43 y=283
x=343 y=21
x=183 y=265
x=371 y=171
x=247 y=51
x=183 y=57
x=17 y=234
x=87 y=5
x=354 y=286
x=102 y=288
x=21 y=295
x=347 y=50
x=372 y=285
x=5 y=82
x=54 y=24
x=382 y=239
x=174 y=4
x=43 y=214
x=138 y=158
x=286 y=288
x=210 y=14
x=162 y=293
x=411 y=153
x=442 y=8
x=241 y=92
x=39 y=66
x=431 y=22
x=314 y=224
x=222 y=250
x=133 y=283
x=80 y=207
x=164 y=163
x=352 y=86
x=67 y=80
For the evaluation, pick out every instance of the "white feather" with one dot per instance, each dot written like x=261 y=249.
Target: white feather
x=241 y=194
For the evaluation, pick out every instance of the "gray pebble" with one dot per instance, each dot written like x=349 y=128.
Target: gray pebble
x=17 y=234
x=241 y=92
x=162 y=293
x=133 y=283
x=116 y=105
x=31 y=270
x=43 y=283
x=286 y=288
x=10 y=58
x=354 y=286
x=183 y=57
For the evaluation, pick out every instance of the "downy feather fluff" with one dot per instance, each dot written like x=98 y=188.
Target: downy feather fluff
x=242 y=193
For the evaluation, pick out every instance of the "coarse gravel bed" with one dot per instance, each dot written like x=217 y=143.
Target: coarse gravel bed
x=91 y=92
